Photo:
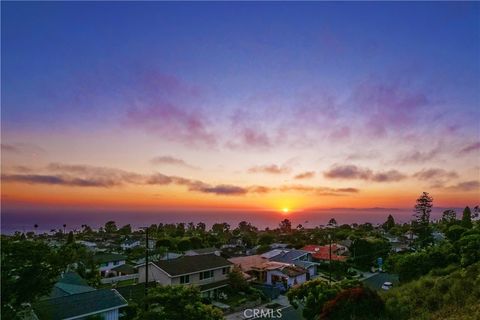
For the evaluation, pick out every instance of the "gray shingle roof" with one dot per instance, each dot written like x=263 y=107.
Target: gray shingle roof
x=76 y=305
x=192 y=264
x=288 y=256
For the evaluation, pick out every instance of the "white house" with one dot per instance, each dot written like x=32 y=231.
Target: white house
x=208 y=271
x=90 y=245
x=130 y=244
x=107 y=261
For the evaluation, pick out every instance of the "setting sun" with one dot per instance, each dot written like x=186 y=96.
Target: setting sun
x=285 y=210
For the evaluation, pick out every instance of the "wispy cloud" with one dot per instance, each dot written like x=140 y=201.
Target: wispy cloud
x=103 y=177
x=305 y=175
x=10 y=148
x=435 y=174
x=59 y=180
x=352 y=172
x=418 y=156
x=388 y=106
x=466 y=186
x=22 y=148
x=169 y=160
x=173 y=122
x=270 y=169
x=470 y=148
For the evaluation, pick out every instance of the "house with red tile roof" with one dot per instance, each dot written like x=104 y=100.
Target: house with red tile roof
x=322 y=253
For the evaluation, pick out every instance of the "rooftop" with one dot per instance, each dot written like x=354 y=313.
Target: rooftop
x=288 y=255
x=76 y=305
x=125 y=269
x=204 y=250
x=192 y=264
x=323 y=252
x=69 y=283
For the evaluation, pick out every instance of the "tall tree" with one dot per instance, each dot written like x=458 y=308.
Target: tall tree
x=389 y=224
x=110 y=227
x=467 y=218
x=332 y=223
x=449 y=216
x=27 y=273
x=285 y=226
x=125 y=230
x=421 y=225
x=70 y=238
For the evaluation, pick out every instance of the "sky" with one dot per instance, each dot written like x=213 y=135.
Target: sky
x=153 y=107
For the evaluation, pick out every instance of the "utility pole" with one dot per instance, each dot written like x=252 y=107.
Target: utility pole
x=330 y=259
x=146 y=268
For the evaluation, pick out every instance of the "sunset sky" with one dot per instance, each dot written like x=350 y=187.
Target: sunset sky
x=239 y=106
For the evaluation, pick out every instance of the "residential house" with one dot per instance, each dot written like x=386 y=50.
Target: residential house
x=278 y=245
x=196 y=252
x=69 y=283
x=130 y=244
x=107 y=261
x=105 y=303
x=208 y=271
x=90 y=245
x=298 y=258
x=165 y=256
x=235 y=251
x=123 y=270
x=72 y=298
x=264 y=271
x=322 y=253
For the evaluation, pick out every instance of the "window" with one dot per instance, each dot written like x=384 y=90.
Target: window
x=115 y=263
x=225 y=270
x=206 y=274
x=184 y=279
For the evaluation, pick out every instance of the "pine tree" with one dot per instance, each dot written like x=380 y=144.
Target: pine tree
x=467 y=218
x=389 y=224
x=421 y=227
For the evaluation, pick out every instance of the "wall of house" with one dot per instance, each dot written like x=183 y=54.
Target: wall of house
x=110 y=315
x=154 y=274
x=297 y=280
x=195 y=278
x=110 y=265
x=291 y=281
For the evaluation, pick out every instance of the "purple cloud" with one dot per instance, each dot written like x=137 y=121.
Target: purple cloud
x=435 y=174
x=388 y=106
x=59 y=180
x=465 y=186
x=419 y=156
x=173 y=123
x=271 y=169
x=10 y=148
x=222 y=189
x=169 y=160
x=353 y=172
x=305 y=175
x=470 y=148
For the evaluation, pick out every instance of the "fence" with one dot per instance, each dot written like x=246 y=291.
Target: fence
x=119 y=278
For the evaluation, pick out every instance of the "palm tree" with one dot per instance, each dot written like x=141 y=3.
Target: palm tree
x=35 y=226
x=64 y=226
